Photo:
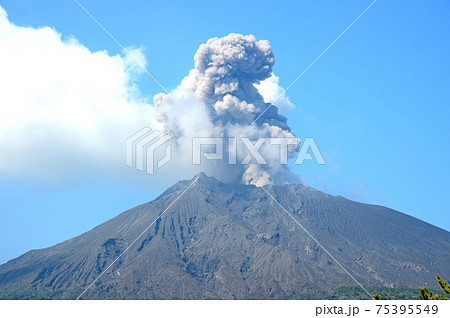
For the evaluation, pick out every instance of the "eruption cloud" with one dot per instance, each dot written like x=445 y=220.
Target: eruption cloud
x=221 y=94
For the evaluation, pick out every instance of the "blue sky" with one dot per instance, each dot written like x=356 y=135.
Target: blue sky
x=376 y=103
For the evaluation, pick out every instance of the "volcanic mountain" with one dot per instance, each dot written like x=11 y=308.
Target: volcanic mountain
x=226 y=241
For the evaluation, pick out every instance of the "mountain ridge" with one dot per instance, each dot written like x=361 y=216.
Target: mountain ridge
x=230 y=241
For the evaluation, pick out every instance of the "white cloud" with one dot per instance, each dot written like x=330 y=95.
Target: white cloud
x=64 y=110
x=270 y=91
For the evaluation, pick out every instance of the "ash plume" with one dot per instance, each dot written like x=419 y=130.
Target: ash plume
x=220 y=94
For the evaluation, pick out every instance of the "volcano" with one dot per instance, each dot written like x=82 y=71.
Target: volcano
x=204 y=239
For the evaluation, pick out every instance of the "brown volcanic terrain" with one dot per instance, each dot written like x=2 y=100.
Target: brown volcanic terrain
x=224 y=241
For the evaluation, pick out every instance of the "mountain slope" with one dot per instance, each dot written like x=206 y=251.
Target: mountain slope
x=231 y=242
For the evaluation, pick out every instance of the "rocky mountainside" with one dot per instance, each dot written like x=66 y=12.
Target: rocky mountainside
x=223 y=241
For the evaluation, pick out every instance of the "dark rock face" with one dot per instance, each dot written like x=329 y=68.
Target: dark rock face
x=232 y=242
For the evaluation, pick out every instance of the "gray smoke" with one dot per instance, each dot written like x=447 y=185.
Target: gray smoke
x=220 y=94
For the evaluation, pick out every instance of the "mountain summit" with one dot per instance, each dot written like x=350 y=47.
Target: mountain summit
x=227 y=241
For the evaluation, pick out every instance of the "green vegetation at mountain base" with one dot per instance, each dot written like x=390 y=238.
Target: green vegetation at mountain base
x=385 y=293
x=356 y=293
